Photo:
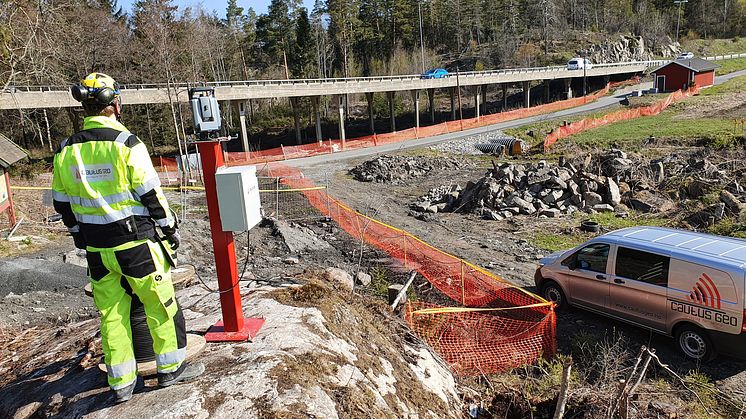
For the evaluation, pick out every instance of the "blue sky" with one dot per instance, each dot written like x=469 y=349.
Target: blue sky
x=259 y=6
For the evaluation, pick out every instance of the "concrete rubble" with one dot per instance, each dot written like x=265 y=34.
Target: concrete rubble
x=609 y=181
x=397 y=169
x=539 y=189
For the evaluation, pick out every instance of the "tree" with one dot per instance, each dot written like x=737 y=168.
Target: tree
x=303 y=57
x=274 y=33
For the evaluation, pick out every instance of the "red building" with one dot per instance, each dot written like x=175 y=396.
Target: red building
x=682 y=73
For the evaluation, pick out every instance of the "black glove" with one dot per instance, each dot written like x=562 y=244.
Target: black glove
x=79 y=240
x=174 y=238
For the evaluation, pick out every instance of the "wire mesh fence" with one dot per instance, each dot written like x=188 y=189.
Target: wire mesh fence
x=281 y=201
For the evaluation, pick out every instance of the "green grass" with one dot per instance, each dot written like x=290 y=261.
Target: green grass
x=608 y=222
x=708 y=47
x=729 y=66
x=632 y=134
x=734 y=85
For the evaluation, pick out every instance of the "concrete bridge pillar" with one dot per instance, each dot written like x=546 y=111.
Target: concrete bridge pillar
x=568 y=88
x=341 y=105
x=392 y=115
x=452 y=91
x=416 y=100
x=296 y=119
x=317 y=117
x=431 y=104
x=477 y=95
x=546 y=91
x=504 y=87
x=371 y=118
x=484 y=99
x=242 y=111
x=526 y=94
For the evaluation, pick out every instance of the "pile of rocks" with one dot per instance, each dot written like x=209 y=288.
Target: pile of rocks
x=533 y=189
x=396 y=169
x=467 y=145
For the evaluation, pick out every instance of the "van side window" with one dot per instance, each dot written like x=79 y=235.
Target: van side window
x=591 y=258
x=642 y=266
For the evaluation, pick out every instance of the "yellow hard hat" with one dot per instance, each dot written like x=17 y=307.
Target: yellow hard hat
x=96 y=88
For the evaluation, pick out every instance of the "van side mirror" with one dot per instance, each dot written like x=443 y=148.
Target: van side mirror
x=573 y=265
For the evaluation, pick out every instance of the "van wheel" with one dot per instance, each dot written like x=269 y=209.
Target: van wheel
x=551 y=291
x=694 y=343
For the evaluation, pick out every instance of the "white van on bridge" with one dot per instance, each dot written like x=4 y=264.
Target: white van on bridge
x=676 y=282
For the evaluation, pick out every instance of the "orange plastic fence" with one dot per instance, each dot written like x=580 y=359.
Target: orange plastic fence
x=330 y=146
x=499 y=326
x=623 y=115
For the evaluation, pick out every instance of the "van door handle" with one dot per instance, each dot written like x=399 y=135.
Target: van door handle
x=618 y=281
x=600 y=277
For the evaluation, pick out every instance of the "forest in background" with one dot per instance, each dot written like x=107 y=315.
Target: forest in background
x=47 y=42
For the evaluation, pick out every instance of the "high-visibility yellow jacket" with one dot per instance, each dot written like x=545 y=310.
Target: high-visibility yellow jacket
x=105 y=186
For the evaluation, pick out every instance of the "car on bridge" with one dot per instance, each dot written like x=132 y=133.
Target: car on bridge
x=435 y=73
x=685 y=56
x=579 y=64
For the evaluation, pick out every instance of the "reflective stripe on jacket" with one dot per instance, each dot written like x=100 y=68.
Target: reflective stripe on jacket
x=105 y=186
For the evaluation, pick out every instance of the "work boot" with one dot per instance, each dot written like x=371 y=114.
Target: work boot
x=185 y=373
x=125 y=393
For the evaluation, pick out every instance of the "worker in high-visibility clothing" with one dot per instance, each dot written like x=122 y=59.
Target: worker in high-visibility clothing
x=111 y=201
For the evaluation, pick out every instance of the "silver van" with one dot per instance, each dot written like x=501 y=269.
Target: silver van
x=676 y=282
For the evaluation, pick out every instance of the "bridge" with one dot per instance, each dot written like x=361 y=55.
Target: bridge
x=38 y=97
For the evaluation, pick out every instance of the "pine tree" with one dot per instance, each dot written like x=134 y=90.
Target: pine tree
x=301 y=62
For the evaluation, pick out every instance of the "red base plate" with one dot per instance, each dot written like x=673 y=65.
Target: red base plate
x=217 y=333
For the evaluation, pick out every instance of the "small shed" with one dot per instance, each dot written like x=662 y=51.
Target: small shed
x=10 y=154
x=682 y=73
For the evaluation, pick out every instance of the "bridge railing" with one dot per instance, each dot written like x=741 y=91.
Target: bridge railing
x=374 y=79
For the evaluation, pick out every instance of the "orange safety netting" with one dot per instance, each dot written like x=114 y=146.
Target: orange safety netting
x=331 y=146
x=623 y=115
x=497 y=326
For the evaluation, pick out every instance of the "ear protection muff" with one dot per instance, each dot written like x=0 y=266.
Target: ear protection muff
x=100 y=96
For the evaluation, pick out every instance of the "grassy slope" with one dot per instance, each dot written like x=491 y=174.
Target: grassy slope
x=634 y=133
x=707 y=47
x=729 y=66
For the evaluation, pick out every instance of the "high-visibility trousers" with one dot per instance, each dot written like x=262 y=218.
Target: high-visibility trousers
x=140 y=267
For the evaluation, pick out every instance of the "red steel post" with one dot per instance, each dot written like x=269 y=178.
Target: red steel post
x=234 y=326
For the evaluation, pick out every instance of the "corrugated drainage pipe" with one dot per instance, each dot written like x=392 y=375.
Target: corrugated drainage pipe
x=514 y=146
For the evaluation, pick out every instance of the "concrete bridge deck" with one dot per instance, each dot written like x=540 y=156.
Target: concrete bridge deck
x=37 y=97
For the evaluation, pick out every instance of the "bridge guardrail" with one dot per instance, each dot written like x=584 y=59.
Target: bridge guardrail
x=379 y=79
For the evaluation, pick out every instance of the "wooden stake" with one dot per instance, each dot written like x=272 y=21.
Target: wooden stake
x=403 y=291
x=564 y=387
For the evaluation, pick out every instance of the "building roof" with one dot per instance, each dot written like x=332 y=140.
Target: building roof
x=695 y=64
x=10 y=153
